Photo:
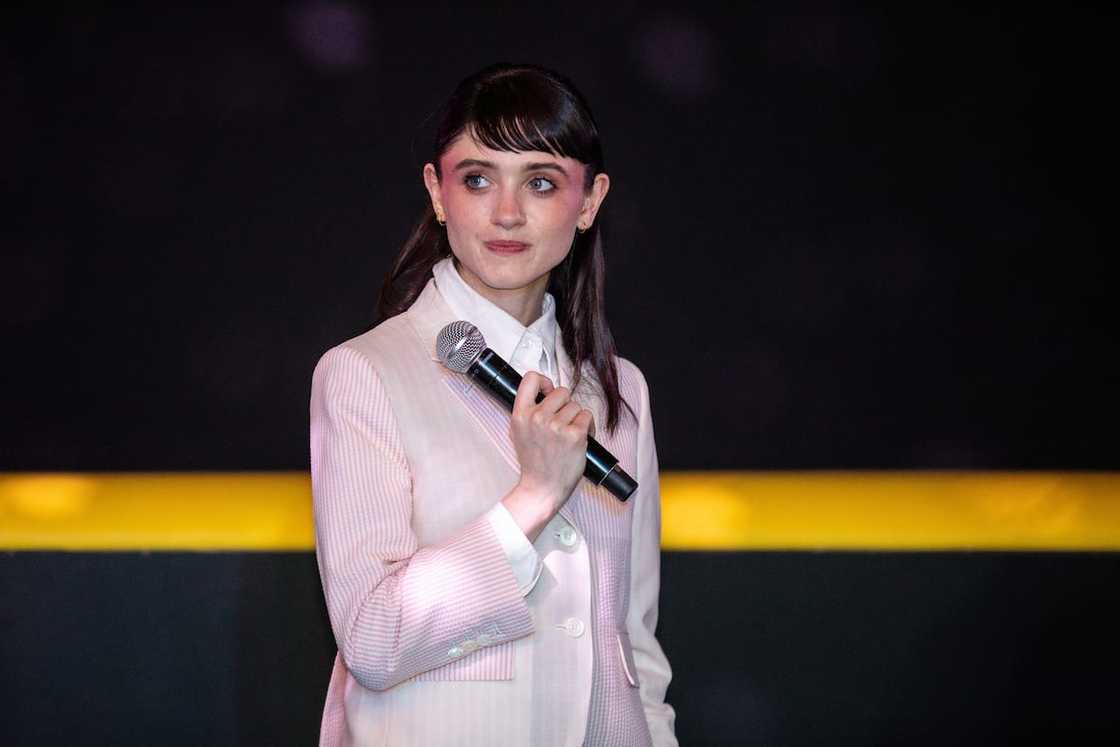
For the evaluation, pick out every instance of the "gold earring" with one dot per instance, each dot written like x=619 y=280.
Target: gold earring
x=440 y=219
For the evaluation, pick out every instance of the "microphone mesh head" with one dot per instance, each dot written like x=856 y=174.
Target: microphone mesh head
x=458 y=344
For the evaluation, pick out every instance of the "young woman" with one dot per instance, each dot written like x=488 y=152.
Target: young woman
x=482 y=592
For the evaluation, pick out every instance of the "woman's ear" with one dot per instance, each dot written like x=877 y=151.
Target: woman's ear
x=431 y=182
x=592 y=200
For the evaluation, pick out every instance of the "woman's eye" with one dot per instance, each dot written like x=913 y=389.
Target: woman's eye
x=475 y=181
x=541 y=184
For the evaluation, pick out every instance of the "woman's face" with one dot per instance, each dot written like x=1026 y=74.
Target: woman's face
x=511 y=217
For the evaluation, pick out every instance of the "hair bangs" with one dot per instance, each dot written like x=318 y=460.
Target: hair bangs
x=514 y=134
x=530 y=113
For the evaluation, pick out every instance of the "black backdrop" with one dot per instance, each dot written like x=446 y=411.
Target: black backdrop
x=767 y=649
x=878 y=236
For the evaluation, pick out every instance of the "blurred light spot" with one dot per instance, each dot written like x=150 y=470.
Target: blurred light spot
x=678 y=55
x=47 y=496
x=334 y=37
x=710 y=512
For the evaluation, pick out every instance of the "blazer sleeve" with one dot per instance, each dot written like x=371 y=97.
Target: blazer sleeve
x=396 y=609
x=653 y=668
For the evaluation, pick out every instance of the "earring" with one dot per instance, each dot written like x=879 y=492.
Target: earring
x=440 y=219
x=582 y=229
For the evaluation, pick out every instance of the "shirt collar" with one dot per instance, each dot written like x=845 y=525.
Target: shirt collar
x=502 y=331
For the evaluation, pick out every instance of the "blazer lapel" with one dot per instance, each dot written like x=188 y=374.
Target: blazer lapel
x=490 y=415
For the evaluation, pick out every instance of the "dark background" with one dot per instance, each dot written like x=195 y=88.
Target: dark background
x=767 y=649
x=877 y=236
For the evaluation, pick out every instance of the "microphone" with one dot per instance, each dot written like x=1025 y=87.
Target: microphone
x=462 y=348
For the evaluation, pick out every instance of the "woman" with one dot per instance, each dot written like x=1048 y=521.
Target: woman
x=480 y=591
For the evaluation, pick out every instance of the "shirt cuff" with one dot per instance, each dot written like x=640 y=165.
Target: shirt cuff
x=519 y=550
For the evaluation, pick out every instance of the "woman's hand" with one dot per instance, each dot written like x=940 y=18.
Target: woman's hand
x=550 y=438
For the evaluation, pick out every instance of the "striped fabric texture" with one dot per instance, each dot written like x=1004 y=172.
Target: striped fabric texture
x=436 y=643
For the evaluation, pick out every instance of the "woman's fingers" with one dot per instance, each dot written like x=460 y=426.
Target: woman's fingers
x=557 y=409
x=549 y=437
x=555 y=397
x=532 y=383
x=566 y=415
x=585 y=421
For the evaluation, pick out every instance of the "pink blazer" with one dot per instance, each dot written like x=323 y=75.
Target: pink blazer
x=436 y=644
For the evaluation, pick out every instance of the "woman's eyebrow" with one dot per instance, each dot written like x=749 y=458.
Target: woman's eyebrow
x=468 y=163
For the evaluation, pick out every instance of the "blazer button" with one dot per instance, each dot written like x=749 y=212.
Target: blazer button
x=573 y=627
x=567 y=536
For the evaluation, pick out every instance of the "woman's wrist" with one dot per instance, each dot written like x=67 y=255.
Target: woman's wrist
x=531 y=507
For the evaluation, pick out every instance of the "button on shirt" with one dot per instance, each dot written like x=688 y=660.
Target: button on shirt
x=531 y=348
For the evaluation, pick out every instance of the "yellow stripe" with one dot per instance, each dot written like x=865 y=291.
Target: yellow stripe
x=891 y=510
x=142 y=511
x=701 y=511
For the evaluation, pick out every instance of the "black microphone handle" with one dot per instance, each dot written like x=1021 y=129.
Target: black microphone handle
x=502 y=381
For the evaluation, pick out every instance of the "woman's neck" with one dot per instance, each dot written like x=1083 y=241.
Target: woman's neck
x=523 y=304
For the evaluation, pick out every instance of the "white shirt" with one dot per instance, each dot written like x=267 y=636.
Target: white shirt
x=524 y=348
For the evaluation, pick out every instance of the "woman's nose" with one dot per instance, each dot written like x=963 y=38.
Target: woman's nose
x=507 y=212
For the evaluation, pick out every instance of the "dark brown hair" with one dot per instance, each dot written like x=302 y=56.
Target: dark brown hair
x=525 y=108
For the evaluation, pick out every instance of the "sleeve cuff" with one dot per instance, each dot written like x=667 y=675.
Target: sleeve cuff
x=519 y=551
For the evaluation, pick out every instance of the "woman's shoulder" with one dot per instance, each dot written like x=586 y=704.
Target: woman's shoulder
x=626 y=367
x=391 y=344
x=631 y=380
x=633 y=390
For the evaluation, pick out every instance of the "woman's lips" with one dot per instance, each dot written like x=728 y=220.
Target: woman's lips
x=506 y=247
